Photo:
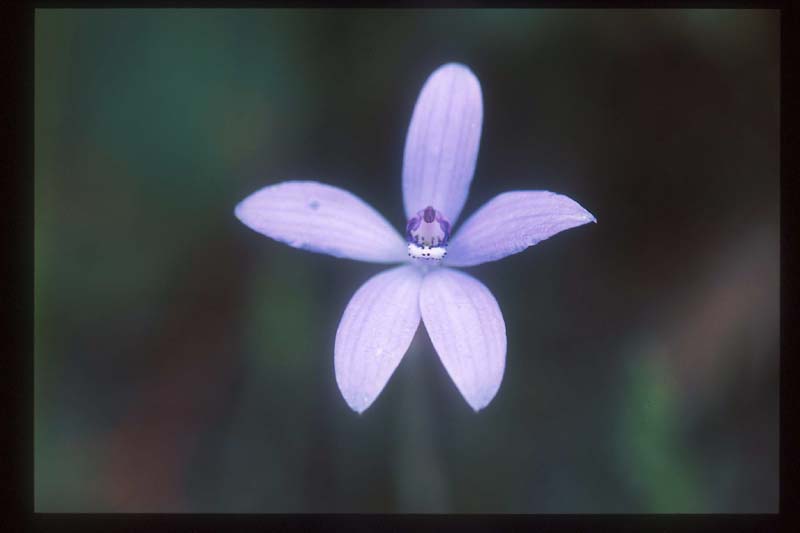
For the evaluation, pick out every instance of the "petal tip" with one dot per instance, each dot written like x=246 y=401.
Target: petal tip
x=455 y=66
x=579 y=211
x=357 y=403
x=238 y=210
x=462 y=75
x=476 y=407
x=482 y=403
x=359 y=409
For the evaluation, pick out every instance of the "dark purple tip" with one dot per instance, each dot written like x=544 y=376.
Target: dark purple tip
x=429 y=215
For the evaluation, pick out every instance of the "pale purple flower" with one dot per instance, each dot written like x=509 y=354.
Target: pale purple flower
x=460 y=314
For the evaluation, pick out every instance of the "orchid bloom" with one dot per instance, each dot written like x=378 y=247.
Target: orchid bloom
x=460 y=314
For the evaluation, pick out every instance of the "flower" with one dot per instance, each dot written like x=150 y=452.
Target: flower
x=460 y=314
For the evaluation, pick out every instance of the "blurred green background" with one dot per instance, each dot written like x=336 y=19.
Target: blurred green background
x=185 y=363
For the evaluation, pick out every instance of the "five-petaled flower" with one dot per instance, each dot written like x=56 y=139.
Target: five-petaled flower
x=461 y=316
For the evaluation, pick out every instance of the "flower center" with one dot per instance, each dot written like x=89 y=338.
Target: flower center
x=427 y=233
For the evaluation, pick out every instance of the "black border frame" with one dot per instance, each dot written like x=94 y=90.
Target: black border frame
x=17 y=368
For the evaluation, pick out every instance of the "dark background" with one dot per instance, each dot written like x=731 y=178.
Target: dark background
x=185 y=363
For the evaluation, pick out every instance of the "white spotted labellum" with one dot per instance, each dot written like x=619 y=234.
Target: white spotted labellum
x=460 y=314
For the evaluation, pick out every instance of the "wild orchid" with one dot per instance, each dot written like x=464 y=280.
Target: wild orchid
x=460 y=314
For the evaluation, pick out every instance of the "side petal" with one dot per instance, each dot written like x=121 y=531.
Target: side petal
x=466 y=327
x=374 y=334
x=442 y=142
x=512 y=221
x=320 y=218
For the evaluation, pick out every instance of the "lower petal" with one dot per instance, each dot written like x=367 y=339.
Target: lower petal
x=467 y=330
x=374 y=334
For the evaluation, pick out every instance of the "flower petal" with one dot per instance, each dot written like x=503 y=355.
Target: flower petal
x=320 y=218
x=512 y=221
x=442 y=142
x=374 y=334
x=466 y=327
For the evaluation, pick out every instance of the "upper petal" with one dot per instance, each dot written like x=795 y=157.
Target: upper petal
x=374 y=334
x=467 y=329
x=512 y=221
x=442 y=142
x=321 y=218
